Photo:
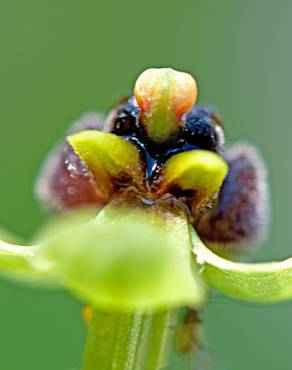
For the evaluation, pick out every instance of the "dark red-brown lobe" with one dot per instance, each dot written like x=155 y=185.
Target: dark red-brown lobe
x=241 y=213
x=65 y=181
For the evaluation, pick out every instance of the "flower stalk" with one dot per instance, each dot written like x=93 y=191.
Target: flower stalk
x=130 y=341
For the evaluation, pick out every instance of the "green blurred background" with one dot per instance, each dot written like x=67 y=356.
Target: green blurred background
x=60 y=58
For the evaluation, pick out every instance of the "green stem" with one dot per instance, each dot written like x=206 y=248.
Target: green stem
x=122 y=341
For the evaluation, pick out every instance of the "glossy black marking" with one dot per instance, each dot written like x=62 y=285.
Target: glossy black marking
x=150 y=162
x=153 y=164
x=125 y=121
x=203 y=129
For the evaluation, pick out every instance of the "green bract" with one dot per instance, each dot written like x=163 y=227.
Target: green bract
x=128 y=259
x=123 y=259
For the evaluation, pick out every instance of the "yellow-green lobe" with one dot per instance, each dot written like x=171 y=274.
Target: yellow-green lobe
x=199 y=170
x=107 y=156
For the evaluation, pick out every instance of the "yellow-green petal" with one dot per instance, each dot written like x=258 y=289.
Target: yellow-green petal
x=199 y=170
x=108 y=156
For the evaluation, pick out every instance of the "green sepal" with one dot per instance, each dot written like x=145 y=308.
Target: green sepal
x=16 y=263
x=127 y=259
x=267 y=282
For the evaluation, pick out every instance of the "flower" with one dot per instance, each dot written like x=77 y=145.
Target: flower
x=159 y=177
